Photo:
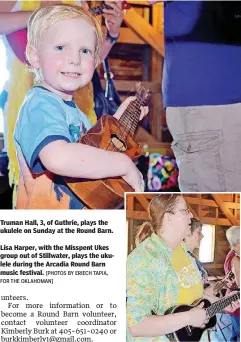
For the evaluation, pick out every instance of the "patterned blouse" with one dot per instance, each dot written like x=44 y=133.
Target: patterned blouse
x=152 y=284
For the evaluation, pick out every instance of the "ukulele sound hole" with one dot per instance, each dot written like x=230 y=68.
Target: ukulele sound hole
x=118 y=143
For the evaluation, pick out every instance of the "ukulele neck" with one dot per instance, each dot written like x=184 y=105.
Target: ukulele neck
x=221 y=304
x=130 y=117
x=98 y=10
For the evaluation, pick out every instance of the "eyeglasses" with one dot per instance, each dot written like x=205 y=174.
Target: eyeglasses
x=186 y=211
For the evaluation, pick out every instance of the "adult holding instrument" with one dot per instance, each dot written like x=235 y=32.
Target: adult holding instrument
x=161 y=274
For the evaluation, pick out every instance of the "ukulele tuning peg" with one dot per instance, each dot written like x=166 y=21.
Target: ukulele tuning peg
x=138 y=86
x=147 y=93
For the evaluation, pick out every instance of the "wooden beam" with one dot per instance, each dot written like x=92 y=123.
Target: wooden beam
x=192 y=210
x=209 y=265
x=129 y=195
x=128 y=36
x=145 y=30
x=146 y=14
x=146 y=137
x=149 y=195
x=151 y=145
x=233 y=220
x=156 y=76
x=138 y=215
x=202 y=201
x=227 y=197
x=210 y=203
x=214 y=221
x=199 y=207
x=162 y=148
x=235 y=206
x=142 y=200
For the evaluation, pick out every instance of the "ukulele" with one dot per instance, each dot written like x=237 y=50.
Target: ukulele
x=18 y=40
x=112 y=135
x=192 y=334
x=223 y=282
x=97 y=10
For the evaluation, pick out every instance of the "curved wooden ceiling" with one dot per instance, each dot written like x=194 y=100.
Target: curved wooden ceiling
x=216 y=209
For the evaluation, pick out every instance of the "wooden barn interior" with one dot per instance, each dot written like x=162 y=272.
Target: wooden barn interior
x=218 y=210
x=138 y=57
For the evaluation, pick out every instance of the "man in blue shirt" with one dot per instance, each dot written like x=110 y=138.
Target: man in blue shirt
x=202 y=92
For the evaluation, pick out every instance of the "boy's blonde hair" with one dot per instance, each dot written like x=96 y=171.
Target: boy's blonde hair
x=45 y=17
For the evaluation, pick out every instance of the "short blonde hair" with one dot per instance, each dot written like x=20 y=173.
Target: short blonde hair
x=45 y=17
x=233 y=235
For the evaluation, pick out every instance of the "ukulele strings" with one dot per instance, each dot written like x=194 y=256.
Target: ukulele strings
x=123 y=133
x=136 y=108
x=133 y=108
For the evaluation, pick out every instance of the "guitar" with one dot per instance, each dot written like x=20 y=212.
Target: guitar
x=117 y=136
x=18 y=40
x=192 y=334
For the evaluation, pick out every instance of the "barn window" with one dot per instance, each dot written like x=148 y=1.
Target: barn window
x=206 y=251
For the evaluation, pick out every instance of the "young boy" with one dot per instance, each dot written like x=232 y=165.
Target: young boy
x=63 y=49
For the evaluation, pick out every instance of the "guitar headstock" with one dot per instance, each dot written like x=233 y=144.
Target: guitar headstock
x=142 y=94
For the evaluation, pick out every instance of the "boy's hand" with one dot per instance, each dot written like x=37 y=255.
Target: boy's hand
x=125 y=104
x=113 y=17
x=134 y=178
